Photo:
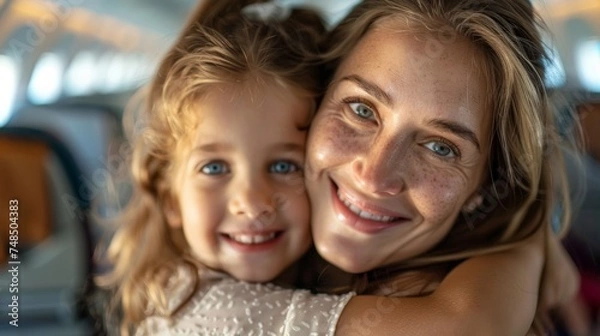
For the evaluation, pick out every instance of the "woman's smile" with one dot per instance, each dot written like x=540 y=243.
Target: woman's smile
x=394 y=153
x=363 y=215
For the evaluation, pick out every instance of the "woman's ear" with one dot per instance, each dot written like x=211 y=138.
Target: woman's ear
x=172 y=213
x=473 y=202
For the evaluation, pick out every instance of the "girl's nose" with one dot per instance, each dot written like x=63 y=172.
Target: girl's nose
x=252 y=201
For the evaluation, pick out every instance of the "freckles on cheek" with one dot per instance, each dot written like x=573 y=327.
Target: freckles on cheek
x=435 y=194
x=331 y=142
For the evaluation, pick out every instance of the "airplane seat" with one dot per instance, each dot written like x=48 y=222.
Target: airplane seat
x=25 y=186
x=582 y=240
x=54 y=247
x=586 y=224
x=87 y=131
x=93 y=135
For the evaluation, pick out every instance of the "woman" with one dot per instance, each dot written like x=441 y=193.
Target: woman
x=435 y=139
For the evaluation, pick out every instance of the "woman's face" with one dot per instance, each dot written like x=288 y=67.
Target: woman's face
x=397 y=149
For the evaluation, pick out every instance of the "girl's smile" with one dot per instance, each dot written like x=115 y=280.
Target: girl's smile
x=240 y=195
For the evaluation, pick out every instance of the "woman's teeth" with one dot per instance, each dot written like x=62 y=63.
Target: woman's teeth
x=364 y=214
x=249 y=239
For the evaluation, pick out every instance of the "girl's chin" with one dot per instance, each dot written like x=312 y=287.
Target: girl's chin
x=267 y=277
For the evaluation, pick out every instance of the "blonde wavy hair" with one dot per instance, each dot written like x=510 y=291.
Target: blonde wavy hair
x=526 y=183
x=219 y=45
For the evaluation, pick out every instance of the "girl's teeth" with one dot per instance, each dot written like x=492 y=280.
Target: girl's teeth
x=364 y=214
x=252 y=239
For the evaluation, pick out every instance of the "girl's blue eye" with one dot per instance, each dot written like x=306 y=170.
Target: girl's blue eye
x=441 y=149
x=361 y=110
x=215 y=168
x=284 y=167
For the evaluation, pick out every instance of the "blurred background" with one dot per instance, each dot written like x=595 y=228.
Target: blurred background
x=67 y=70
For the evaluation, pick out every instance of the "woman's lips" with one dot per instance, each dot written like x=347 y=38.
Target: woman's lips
x=366 y=219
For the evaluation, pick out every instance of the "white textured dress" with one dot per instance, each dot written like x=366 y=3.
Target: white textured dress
x=224 y=306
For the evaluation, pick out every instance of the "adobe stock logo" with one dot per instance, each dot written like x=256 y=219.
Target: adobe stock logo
x=370 y=318
x=106 y=182
x=491 y=199
x=56 y=12
x=437 y=42
x=279 y=201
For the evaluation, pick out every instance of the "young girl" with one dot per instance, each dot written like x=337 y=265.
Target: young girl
x=219 y=182
x=219 y=188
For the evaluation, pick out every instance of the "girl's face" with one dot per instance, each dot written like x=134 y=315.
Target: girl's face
x=240 y=195
x=398 y=147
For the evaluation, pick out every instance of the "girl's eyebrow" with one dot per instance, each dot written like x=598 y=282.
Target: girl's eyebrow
x=289 y=147
x=213 y=147
x=371 y=88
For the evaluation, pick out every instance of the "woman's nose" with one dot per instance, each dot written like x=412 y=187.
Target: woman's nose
x=253 y=201
x=379 y=170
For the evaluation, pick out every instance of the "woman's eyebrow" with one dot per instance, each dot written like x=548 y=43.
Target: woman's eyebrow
x=371 y=88
x=456 y=128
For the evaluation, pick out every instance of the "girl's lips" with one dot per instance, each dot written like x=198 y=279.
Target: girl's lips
x=253 y=242
x=364 y=225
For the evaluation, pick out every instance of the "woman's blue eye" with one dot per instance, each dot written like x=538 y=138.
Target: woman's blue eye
x=441 y=149
x=284 y=167
x=361 y=110
x=215 y=168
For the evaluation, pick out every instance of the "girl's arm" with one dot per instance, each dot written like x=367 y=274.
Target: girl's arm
x=495 y=294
